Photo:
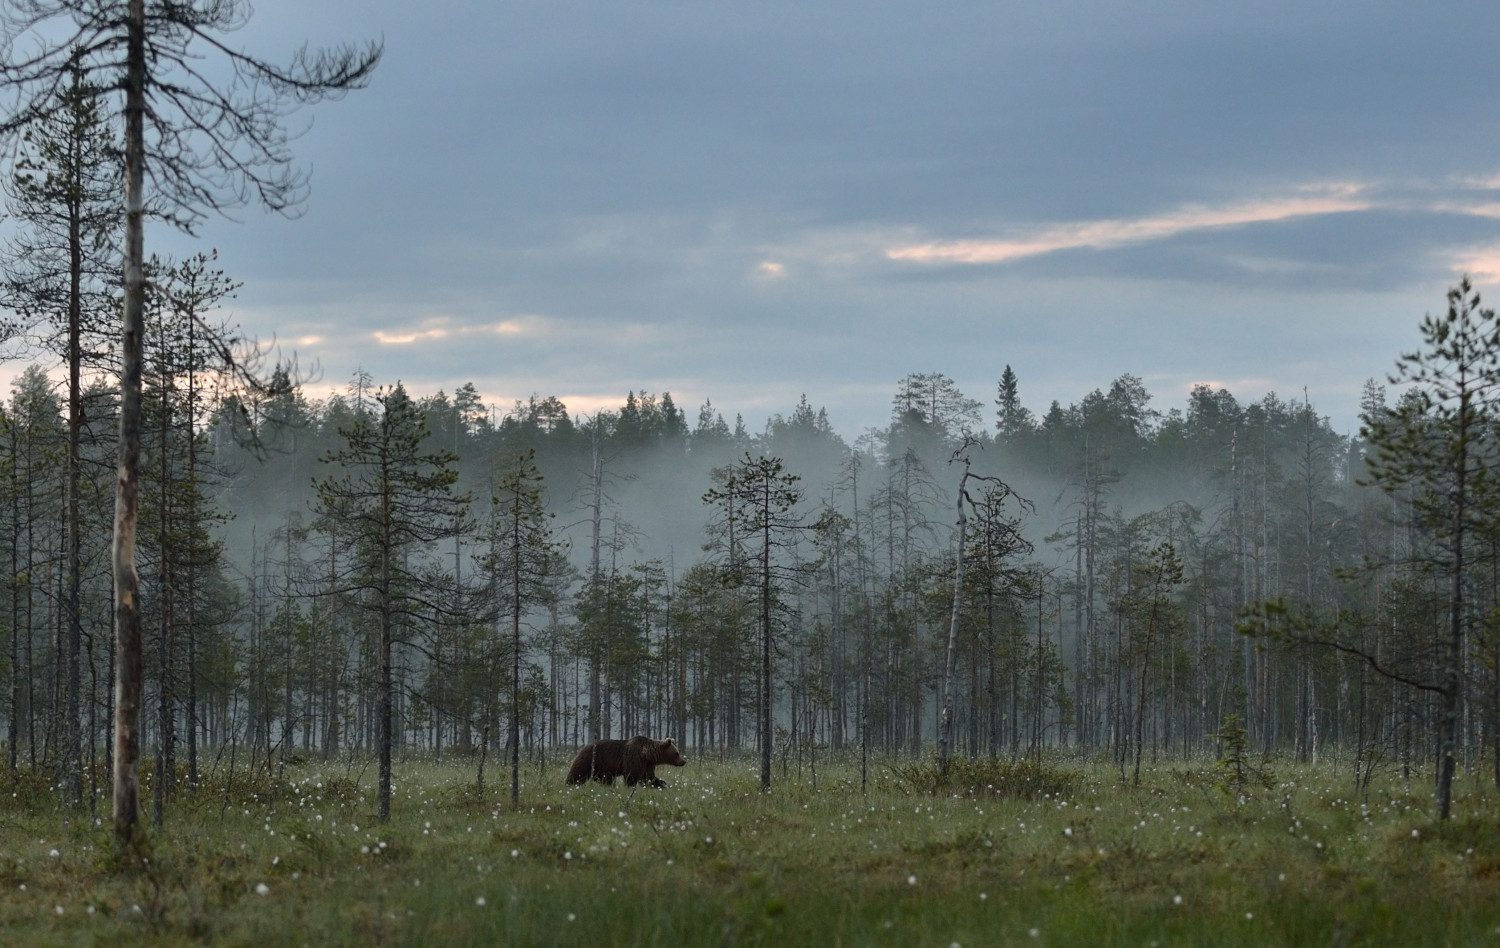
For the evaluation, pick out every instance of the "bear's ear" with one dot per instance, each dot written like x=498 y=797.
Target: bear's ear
x=669 y=741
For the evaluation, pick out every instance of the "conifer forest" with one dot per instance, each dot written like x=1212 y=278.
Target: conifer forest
x=393 y=573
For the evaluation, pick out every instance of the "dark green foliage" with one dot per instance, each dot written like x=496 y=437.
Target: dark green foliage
x=1238 y=771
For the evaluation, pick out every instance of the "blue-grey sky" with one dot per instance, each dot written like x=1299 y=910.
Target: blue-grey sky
x=750 y=201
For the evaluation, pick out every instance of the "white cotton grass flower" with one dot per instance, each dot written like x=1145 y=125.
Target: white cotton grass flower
x=262 y=889
x=479 y=901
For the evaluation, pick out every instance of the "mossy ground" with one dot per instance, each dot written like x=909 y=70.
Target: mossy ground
x=300 y=860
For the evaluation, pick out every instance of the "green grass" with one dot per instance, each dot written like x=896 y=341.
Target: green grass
x=978 y=859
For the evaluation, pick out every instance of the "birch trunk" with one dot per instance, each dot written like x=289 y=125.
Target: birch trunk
x=950 y=664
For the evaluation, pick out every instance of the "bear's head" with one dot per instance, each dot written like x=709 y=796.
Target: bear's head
x=666 y=752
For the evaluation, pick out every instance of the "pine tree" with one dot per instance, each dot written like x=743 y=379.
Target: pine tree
x=757 y=500
x=65 y=193
x=392 y=498
x=519 y=562
x=1439 y=445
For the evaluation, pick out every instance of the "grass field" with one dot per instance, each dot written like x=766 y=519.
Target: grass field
x=1065 y=854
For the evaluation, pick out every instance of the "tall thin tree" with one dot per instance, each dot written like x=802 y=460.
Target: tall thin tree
x=391 y=496
x=520 y=557
x=761 y=499
x=211 y=145
x=1439 y=445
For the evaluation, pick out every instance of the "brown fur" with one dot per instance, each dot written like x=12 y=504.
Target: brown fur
x=636 y=760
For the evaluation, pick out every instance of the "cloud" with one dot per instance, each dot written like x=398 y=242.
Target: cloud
x=1488 y=209
x=1484 y=182
x=436 y=329
x=406 y=338
x=1307 y=202
x=1481 y=264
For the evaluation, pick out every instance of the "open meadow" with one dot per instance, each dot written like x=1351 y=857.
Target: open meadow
x=1067 y=853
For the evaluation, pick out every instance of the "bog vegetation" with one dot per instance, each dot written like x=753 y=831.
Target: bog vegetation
x=1000 y=852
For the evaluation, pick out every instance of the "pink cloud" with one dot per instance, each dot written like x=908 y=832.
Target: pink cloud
x=1334 y=199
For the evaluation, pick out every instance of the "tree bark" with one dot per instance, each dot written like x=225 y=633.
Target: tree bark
x=765 y=642
x=515 y=644
x=383 y=653
x=73 y=766
x=950 y=663
x=127 y=788
x=1451 y=696
x=164 y=710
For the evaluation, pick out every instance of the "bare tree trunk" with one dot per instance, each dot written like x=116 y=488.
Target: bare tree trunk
x=383 y=662
x=16 y=661
x=765 y=649
x=192 y=569
x=515 y=657
x=127 y=756
x=73 y=744
x=596 y=527
x=945 y=729
x=1140 y=697
x=164 y=710
x=1451 y=696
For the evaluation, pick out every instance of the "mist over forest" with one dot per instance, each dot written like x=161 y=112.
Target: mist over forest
x=1106 y=590
x=420 y=572
x=658 y=459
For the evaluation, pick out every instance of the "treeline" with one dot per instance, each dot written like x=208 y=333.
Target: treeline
x=378 y=573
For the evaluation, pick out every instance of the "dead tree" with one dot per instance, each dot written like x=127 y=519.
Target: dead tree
x=988 y=507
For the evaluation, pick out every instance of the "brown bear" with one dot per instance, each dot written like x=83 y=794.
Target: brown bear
x=635 y=760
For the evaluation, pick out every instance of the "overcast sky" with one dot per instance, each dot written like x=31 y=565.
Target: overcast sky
x=750 y=201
